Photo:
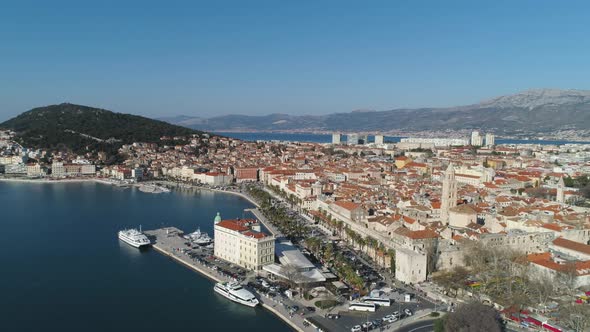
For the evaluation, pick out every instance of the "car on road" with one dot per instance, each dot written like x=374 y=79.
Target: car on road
x=408 y=312
x=367 y=326
x=356 y=328
x=310 y=309
x=333 y=316
x=390 y=318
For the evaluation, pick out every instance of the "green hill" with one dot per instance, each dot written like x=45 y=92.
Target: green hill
x=85 y=129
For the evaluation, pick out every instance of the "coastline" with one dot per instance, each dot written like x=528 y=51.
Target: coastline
x=233 y=193
x=45 y=180
x=201 y=271
x=164 y=248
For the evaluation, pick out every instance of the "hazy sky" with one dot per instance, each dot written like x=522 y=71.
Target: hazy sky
x=215 y=57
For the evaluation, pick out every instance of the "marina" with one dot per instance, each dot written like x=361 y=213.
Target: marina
x=170 y=242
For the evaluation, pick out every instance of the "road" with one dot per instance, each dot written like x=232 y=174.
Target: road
x=419 y=326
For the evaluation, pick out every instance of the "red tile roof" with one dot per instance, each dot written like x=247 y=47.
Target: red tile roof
x=572 y=245
x=234 y=225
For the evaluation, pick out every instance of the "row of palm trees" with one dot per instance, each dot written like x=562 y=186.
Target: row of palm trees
x=278 y=215
x=330 y=256
x=369 y=245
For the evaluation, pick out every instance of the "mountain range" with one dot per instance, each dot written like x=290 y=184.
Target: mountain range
x=532 y=111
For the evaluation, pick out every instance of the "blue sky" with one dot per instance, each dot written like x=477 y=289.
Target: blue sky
x=207 y=58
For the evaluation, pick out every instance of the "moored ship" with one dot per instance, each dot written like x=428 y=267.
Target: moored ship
x=235 y=292
x=134 y=237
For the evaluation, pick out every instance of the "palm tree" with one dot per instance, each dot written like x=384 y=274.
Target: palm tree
x=391 y=254
x=362 y=242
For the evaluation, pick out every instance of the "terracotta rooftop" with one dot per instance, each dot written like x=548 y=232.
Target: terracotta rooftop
x=347 y=205
x=238 y=225
x=572 y=245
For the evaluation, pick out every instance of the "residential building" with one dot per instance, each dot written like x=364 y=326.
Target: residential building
x=476 y=139
x=336 y=138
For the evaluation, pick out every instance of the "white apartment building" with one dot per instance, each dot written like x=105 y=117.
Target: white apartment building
x=336 y=138
x=58 y=170
x=490 y=140
x=476 y=139
x=242 y=243
x=379 y=139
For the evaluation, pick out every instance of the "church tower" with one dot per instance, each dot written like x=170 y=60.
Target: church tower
x=560 y=193
x=217 y=219
x=449 y=194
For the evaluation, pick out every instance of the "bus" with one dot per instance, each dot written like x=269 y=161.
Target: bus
x=361 y=306
x=383 y=302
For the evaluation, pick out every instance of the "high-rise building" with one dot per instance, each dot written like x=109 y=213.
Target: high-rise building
x=449 y=194
x=363 y=139
x=336 y=138
x=352 y=139
x=476 y=139
x=378 y=139
x=490 y=140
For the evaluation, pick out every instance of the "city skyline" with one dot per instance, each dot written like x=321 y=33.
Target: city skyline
x=206 y=60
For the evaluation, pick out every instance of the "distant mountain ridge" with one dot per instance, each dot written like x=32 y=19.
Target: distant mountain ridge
x=531 y=111
x=84 y=129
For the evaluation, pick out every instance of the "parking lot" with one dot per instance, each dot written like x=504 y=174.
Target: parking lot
x=401 y=310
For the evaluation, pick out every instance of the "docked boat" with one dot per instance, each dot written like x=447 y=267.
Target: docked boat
x=235 y=292
x=134 y=237
x=153 y=189
x=200 y=238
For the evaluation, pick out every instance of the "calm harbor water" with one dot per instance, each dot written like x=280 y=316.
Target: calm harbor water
x=324 y=138
x=63 y=268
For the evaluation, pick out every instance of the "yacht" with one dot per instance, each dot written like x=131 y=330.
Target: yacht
x=200 y=238
x=134 y=237
x=235 y=292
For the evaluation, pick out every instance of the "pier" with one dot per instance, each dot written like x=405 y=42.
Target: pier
x=169 y=242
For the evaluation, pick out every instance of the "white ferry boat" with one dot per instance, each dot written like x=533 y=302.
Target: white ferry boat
x=235 y=292
x=134 y=237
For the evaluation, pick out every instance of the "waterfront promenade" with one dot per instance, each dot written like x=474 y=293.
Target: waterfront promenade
x=169 y=242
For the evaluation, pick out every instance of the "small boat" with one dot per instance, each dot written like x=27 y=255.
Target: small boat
x=134 y=237
x=200 y=238
x=153 y=189
x=235 y=292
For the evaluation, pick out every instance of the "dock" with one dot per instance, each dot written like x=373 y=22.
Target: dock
x=169 y=242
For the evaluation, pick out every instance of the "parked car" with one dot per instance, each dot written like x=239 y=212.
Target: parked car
x=356 y=328
x=367 y=326
x=390 y=318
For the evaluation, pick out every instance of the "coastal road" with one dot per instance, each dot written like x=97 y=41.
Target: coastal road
x=419 y=326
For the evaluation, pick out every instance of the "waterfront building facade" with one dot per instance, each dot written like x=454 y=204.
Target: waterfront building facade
x=241 y=242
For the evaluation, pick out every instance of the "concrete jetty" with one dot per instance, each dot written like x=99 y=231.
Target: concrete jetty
x=169 y=242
